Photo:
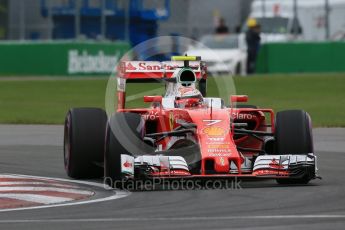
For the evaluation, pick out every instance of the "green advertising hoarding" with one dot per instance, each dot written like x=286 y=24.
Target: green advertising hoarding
x=302 y=57
x=60 y=58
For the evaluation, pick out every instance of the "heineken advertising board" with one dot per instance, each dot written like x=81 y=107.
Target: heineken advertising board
x=60 y=58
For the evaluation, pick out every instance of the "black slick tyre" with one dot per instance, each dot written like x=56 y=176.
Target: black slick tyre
x=84 y=134
x=293 y=135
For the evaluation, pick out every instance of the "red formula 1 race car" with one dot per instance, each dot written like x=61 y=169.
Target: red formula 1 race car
x=185 y=134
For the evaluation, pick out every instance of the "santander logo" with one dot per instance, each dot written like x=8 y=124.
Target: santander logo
x=275 y=164
x=154 y=66
x=130 y=67
x=143 y=66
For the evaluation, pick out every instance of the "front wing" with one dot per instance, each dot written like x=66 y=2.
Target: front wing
x=263 y=166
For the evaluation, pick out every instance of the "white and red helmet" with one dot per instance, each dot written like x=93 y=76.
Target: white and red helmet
x=188 y=97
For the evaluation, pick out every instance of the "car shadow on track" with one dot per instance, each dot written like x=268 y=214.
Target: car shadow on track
x=214 y=184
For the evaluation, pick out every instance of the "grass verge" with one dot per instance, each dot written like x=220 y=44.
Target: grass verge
x=46 y=101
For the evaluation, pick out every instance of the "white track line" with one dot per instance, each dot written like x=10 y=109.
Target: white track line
x=44 y=189
x=12 y=176
x=115 y=194
x=206 y=218
x=36 y=198
x=55 y=179
x=14 y=183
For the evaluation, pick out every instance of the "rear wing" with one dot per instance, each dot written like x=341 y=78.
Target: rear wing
x=146 y=70
x=154 y=70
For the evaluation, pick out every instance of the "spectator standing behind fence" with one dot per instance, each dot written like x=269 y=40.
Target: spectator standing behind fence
x=253 y=44
x=222 y=28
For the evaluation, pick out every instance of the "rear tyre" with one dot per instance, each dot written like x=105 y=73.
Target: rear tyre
x=84 y=133
x=293 y=135
x=124 y=135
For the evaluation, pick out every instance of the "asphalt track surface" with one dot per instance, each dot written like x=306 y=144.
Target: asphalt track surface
x=37 y=150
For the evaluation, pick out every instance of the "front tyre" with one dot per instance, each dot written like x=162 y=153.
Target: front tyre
x=124 y=135
x=293 y=135
x=84 y=133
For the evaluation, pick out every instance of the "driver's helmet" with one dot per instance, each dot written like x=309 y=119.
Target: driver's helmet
x=188 y=97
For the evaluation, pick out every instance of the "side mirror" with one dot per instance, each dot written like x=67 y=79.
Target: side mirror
x=153 y=99
x=238 y=98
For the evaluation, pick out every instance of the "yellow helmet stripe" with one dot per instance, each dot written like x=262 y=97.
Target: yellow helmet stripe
x=185 y=58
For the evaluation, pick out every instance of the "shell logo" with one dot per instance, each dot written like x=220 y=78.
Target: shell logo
x=214 y=131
